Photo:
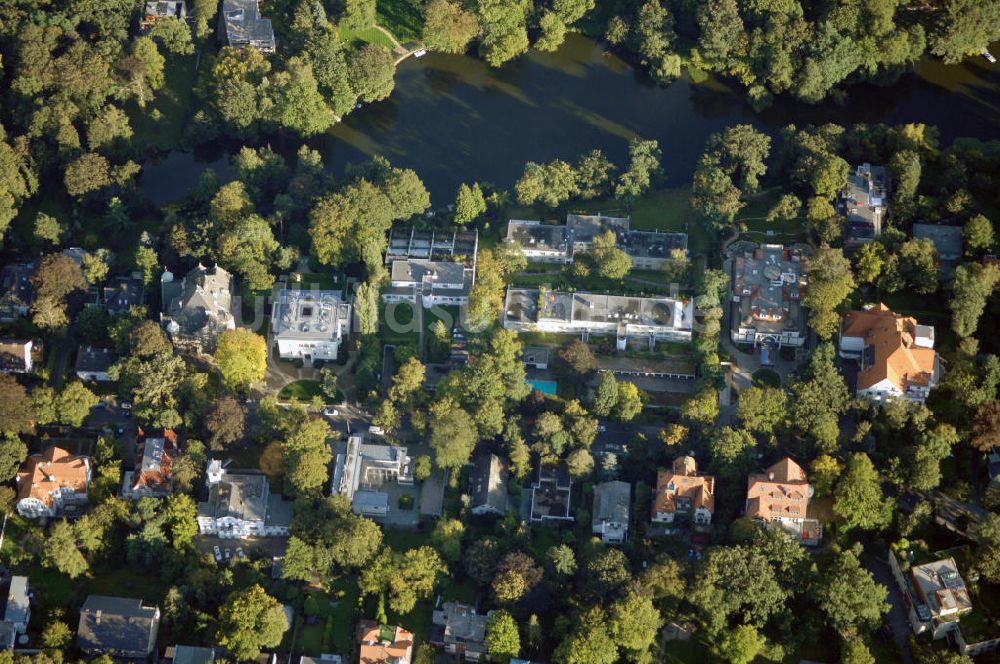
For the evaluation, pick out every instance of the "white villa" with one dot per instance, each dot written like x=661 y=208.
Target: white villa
x=240 y=505
x=309 y=325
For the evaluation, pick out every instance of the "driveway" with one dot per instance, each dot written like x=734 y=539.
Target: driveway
x=897 y=617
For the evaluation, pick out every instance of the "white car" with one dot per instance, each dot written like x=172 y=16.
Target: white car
x=331 y=412
x=218 y=553
x=601 y=428
x=376 y=431
x=239 y=553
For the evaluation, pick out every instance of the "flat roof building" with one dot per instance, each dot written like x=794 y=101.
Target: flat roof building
x=642 y=318
x=361 y=469
x=118 y=626
x=410 y=242
x=430 y=283
x=768 y=284
x=550 y=495
x=17 y=355
x=309 y=324
x=610 y=520
x=540 y=242
x=240 y=505
x=864 y=201
x=243 y=25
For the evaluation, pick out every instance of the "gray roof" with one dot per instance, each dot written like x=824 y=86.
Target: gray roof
x=611 y=502
x=16 y=291
x=193 y=655
x=947 y=239
x=18 y=605
x=537 y=236
x=863 y=201
x=166 y=8
x=245 y=26
x=550 y=494
x=201 y=303
x=308 y=314
x=768 y=284
x=92 y=360
x=584 y=227
x=438 y=272
x=117 y=625
x=488 y=483
x=122 y=293
x=531 y=305
x=239 y=495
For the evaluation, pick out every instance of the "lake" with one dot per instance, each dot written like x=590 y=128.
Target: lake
x=454 y=119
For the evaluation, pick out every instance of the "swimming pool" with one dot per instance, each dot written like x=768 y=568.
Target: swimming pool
x=543 y=386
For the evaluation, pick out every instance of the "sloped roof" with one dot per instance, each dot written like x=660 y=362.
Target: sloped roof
x=116 y=624
x=53 y=470
x=383 y=644
x=683 y=482
x=895 y=355
x=489 y=483
x=155 y=454
x=780 y=491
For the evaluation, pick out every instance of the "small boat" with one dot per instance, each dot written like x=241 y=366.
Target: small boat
x=990 y=58
x=421 y=53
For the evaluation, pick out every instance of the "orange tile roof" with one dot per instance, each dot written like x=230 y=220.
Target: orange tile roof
x=41 y=475
x=373 y=650
x=687 y=485
x=897 y=357
x=157 y=479
x=780 y=491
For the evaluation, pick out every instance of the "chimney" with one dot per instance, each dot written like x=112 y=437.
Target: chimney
x=770 y=475
x=98 y=617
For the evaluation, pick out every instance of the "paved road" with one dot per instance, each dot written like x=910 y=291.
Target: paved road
x=897 y=617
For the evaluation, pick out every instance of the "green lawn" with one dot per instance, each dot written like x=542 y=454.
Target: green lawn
x=566 y=280
x=403 y=18
x=302 y=390
x=401 y=314
x=321 y=280
x=161 y=124
x=367 y=35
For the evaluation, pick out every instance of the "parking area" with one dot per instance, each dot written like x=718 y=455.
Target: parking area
x=255 y=547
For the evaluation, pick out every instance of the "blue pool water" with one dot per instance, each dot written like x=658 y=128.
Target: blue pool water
x=543 y=386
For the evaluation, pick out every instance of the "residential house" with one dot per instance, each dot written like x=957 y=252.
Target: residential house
x=948 y=242
x=459 y=630
x=181 y=654
x=864 y=203
x=244 y=27
x=155 y=453
x=158 y=10
x=361 y=469
x=309 y=325
x=430 y=283
x=325 y=658
x=610 y=519
x=641 y=319
x=121 y=627
x=895 y=354
x=93 y=363
x=16 y=612
x=411 y=242
x=768 y=284
x=197 y=309
x=780 y=496
x=16 y=356
x=488 y=485
x=123 y=293
x=540 y=242
x=52 y=483
x=535 y=357
x=16 y=291
x=549 y=243
x=550 y=495
x=241 y=505
x=683 y=490
x=383 y=644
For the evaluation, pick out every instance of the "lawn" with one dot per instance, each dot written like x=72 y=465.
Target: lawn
x=367 y=35
x=321 y=280
x=594 y=283
x=397 y=323
x=162 y=126
x=303 y=390
x=403 y=18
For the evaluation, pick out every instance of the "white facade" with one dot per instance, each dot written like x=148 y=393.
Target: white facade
x=240 y=505
x=309 y=325
x=430 y=283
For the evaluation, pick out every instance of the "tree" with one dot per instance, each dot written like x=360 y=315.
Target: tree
x=589 y=642
x=819 y=399
x=563 y=559
x=973 y=284
x=295 y=100
x=734 y=452
x=88 y=172
x=371 y=71
x=830 y=282
x=469 y=201
x=181 y=517
x=447 y=27
x=16 y=408
x=918 y=265
x=576 y=360
x=788 y=208
x=606 y=395
x=358 y=14
x=741 y=645
x=174 y=34
x=761 y=409
x=825 y=471
x=854 y=651
x=18 y=178
x=714 y=197
x=553 y=32
x=57 y=276
x=453 y=436
x=962 y=27
x=849 y=596
x=579 y=463
x=644 y=168
x=504 y=26
x=551 y=184
x=251 y=620
x=146 y=261
x=979 y=235
x=634 y=623
x=629 y=401
x=612 y=262
x=242 y=358
x=516 y=575
x=61 y=551
x=988 y=539
x=447 y=538
x=13 y=452
x=984 y=434
x=481 y=559
x=869 y=261
x=307 y=455
x=57 y=635
x=502 y=639
x=95 y=266
x=858 y=498
x=702 y=407
x=48 y=228
x=408 y=577
x=74 y=404
x=225 y=422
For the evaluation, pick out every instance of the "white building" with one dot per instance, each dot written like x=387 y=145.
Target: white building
x=16 y=356
x=649 y=319
x=309 y=325
x=541 y=243
x=52 y=483
x=17 y=612
x=936 y=595
x=610 y=520
x=430 y=283
x=240 y=505
x=361 y=470
x=94 y=363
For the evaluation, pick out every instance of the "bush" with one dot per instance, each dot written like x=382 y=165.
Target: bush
x=406 y=502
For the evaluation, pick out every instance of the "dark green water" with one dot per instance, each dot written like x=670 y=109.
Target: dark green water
x=454 y=119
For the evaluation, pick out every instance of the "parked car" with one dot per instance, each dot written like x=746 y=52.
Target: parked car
x=376 y=431
x=601 y=428
x=229 y=554
x=218 y=553
x=239 y=553
x=330 y=411
x=126 y=405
